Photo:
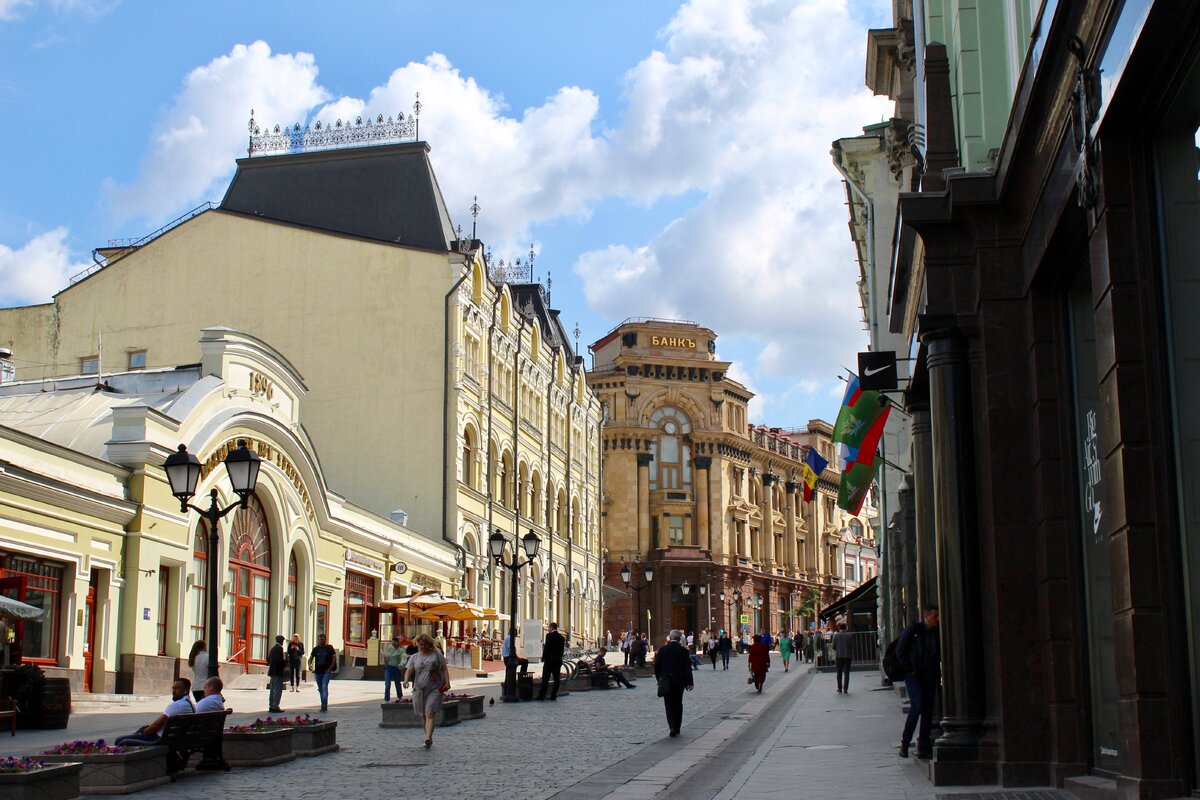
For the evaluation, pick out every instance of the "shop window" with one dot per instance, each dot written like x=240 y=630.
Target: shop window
x=360 y=600
x=38 y=583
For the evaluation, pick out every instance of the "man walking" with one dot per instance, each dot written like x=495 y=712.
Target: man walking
x=552 y=660
x=322 y=662
x=277 y=671
x=725 y=645
x=843 y=651
x=673 y=669
x=395 y=658
x=920 y=651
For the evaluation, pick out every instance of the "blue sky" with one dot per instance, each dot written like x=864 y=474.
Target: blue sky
x=663 y=159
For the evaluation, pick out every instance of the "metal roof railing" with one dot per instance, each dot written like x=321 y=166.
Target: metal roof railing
x=128 y=245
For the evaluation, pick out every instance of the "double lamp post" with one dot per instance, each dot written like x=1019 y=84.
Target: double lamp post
x=496 y=543
x=626 y=575
x=183 y=473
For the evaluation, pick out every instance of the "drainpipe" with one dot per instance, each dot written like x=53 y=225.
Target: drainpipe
x=570 y=519
x=491 y=466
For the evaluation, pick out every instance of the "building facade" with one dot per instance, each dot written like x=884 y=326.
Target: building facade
x=711 y=502
x=1042 y=274
x=89 y=530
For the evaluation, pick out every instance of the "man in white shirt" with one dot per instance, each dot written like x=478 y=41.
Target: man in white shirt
x=181 y=703
x=212 y=700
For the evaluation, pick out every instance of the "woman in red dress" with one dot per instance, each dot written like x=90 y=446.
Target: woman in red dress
x=760 y=660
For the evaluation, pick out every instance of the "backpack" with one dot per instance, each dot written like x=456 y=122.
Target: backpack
x=892 y=668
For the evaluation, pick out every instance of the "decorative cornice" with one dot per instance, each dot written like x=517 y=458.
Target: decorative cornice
x=322 y=136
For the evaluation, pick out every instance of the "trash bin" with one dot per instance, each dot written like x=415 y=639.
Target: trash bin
x=525 y=687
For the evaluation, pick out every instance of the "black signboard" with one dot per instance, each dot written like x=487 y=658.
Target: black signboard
x=877 y=371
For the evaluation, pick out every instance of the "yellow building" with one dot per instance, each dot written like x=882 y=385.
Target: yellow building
x=89 y=530
x=417 y=364
x=711 y=502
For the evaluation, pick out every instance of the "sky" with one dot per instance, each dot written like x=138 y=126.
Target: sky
x=661 y=159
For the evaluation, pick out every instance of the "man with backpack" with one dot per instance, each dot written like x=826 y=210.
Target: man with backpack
x=919 y=652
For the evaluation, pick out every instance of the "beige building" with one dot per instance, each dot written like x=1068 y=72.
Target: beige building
x=711 y=502
x=417 y=365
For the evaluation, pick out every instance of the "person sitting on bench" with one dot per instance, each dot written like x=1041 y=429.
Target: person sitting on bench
x=212 y=700
x=600 y=667
x=181 y=703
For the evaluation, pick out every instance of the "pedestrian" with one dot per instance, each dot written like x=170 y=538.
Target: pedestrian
x=637 y=650
x=725 y=645
x=843 y=651
x=760 y=660
x=277 y=672
x=785 y=649
x=430 y=679
x=691 y=642
x=673 y=670
x=626 y=642
x=198 y=661
x=395 y=658
x=552 y=661
x=713 y=652
x=295 y=654
x=608 y=640
x=920 y=651
x=322 y=663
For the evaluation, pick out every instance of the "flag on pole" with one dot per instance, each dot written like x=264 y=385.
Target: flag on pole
x=814 y=465
x=859 y=428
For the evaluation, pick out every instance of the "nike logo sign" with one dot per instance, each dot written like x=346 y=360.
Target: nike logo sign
x=870 y=372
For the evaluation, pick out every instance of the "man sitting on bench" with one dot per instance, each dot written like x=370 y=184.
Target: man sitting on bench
x=181 y=703
x=212 y=700
x=600 y=667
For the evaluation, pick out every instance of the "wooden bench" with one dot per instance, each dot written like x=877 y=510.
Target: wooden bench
x=8 y=711
x=185 y=734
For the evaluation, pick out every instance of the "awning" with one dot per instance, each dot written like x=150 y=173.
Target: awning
x=862 y=600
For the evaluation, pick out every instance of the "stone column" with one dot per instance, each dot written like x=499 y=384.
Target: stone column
x=643 y=502
x=922 y=486
x=955 y=526
x=790 y=516
x=768 y=512
x=701 y=465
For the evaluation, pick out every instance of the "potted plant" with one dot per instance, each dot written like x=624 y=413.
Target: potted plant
x=401 y=714
x=258 y=744
x=111 y=770
x=470 y=706
x=30 y=779
x=310 y=736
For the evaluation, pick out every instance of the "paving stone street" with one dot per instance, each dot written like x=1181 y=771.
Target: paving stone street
x=798 y=738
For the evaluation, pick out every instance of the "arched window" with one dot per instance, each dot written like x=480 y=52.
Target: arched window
x=249 y=583
x=672 y=464
x=292 y=598
x=503 y=478
x=467 y=474
x=198 y=592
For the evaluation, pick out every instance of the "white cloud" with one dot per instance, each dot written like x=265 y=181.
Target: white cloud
x=11 y=9
x=192 y=149
x=37 y=270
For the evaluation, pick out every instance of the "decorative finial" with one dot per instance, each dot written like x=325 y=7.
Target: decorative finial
x=531 y=257
x=417 y=116
x=576 y=332
x=475 y=209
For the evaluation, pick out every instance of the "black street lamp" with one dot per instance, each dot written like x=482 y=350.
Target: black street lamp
x=496 y=544
x=626 y=575
x=729 y=604
x=183 y=473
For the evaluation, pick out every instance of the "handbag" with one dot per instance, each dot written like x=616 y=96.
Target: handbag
x=665 y=685
x=749 y=679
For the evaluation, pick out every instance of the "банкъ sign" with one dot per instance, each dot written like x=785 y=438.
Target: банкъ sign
x=673 y=341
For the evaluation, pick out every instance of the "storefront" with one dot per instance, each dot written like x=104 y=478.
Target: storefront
x=37 y=582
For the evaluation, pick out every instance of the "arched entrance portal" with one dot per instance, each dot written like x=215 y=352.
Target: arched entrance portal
x=249 y=631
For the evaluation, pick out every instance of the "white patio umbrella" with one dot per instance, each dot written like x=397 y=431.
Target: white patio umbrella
x=15 y=608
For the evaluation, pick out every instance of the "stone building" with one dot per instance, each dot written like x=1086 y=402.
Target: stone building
x=711 y=502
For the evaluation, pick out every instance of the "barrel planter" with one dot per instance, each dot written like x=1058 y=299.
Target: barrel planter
x=117 y=773
x=400 y=715
x=313 y=740
x=51 y=782
x=52 y=706
x=258 y=748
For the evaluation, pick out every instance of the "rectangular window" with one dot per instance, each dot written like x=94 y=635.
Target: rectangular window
x=323 y=618
x=360 y=598
x=89 y=365
x=199 y=597
x=137 y=359
x=675 y=530
x=164 y=607
x=37 y=583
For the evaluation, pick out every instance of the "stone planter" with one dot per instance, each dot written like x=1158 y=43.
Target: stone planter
x=400 y=715
x=313 y=740
x=471 y=707
x=258 y=748
x=52 y=782
x=118 y=773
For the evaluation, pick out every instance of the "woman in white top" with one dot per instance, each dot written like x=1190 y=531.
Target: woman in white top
x=198 y=661
x=430 y=678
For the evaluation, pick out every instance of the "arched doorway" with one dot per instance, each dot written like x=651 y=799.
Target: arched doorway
x=249 y=584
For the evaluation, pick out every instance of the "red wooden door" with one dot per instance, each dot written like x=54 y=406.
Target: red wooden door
x=241 y=645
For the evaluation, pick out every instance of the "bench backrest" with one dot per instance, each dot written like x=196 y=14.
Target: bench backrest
x=188 y=729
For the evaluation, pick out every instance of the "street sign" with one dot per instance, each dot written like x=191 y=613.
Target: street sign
x=744 y=619
x=877 y=371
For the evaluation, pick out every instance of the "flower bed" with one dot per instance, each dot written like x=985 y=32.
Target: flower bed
x=400 y=715
x=31 y=779
x=112 y=770
x=261 y=743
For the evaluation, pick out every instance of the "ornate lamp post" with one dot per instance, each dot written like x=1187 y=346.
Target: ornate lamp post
x=729 y=604
x=626 y=575
x=183 y=473
x=496 y=543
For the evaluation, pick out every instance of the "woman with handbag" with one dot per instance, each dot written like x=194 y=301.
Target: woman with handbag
x=430 y=678
x=673 y=669
x=760 y=661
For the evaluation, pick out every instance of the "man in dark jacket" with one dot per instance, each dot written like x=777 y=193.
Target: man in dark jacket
x=920 y=651
x=552 y=660
x=277 y=671
x=673 y=662
x=725 y=645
